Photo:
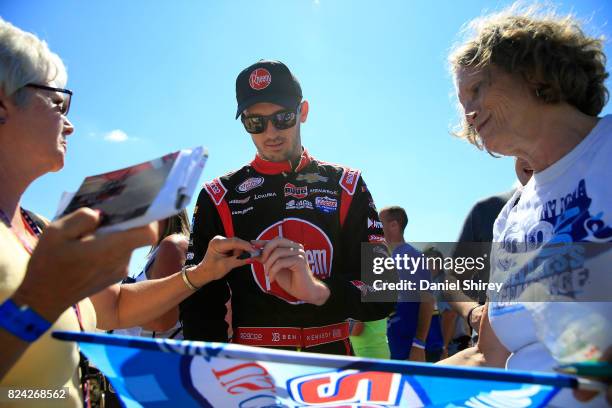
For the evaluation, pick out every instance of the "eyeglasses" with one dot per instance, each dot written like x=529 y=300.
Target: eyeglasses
x=284 y=119
x=66 y=100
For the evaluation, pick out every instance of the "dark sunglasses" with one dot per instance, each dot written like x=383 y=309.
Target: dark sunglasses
x=284 y=119
x=66 y=100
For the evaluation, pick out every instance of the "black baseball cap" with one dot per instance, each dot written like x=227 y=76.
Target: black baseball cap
x=267 y=81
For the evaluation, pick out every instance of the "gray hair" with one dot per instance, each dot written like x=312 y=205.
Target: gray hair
x=24 y=59
x=551 y=53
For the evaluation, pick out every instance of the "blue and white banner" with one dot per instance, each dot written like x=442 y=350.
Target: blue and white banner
x=167 y=373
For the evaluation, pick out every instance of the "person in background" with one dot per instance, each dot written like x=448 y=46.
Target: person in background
x=65 y=278
x=462 y=338
x=408 y=325
x=532 y=85
x=369 y=339
x=442 y=328
x=476 y=239
x=165 y=258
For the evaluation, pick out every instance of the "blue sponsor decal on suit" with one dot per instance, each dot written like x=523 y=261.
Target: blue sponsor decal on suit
x=326 y=204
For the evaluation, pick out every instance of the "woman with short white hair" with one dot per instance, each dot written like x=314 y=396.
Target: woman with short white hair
x=66 y=278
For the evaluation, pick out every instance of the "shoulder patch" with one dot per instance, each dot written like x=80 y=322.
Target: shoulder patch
x=349 y=180
x=216 y=190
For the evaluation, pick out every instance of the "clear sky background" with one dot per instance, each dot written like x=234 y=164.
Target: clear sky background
x=152 y=77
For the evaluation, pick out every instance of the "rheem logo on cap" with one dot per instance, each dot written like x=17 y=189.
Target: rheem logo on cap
x=260 y=79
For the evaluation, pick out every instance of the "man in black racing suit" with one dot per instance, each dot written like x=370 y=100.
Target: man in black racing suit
x=284 y=192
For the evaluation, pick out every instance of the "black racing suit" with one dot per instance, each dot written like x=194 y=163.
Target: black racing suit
x=323 y=206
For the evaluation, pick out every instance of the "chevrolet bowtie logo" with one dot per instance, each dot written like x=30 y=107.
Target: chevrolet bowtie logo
x=311 y=178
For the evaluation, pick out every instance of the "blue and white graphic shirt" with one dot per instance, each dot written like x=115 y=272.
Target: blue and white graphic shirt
x=568 y=202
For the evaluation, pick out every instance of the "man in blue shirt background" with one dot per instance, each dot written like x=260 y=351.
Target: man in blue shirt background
x=408 y=325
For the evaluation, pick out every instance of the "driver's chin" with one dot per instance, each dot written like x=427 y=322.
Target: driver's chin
x=291 y=150
x=275 y=157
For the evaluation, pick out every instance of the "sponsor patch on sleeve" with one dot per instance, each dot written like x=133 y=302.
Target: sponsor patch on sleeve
x=375 y=238
x=374 y=224
x=363 y=287
x=349 y=180
x=215 y=190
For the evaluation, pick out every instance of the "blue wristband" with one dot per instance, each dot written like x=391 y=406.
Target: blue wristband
x=418 y=343
x=22 y=321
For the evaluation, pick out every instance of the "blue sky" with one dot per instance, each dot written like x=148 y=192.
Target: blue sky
x=152 y=77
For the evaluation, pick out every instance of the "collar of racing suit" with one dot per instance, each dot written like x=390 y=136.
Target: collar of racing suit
x=268 y=167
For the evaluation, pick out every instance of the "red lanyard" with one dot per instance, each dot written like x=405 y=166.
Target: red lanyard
x=31 y=226
x=77 y=311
